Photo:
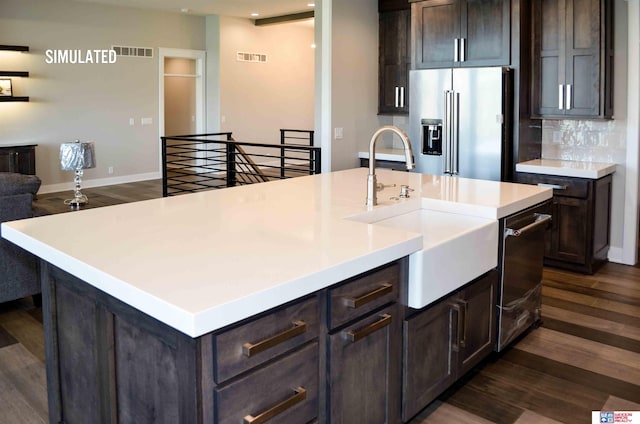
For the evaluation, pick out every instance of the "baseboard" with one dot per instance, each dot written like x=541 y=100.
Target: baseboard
x=616 y=254
x=99 y=182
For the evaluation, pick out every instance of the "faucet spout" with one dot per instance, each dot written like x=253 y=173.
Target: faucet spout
x=372 y=198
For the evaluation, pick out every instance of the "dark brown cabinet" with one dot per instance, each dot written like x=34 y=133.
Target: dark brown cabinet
x=394 y=61
x=365 y=349
x=572 y=58
x=455 y=33
x=444 y=341
x=20 y=159
x=578 y=238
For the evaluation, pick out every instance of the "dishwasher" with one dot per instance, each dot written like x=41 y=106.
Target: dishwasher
x=521 y=256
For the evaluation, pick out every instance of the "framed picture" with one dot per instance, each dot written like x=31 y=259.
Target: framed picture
x=5 y=87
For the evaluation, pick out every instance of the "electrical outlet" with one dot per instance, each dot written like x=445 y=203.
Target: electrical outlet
x=110 y=170
x=132 y=121
x=338 y=133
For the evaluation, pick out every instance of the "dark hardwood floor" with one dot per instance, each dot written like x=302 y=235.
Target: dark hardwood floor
x=585 y=356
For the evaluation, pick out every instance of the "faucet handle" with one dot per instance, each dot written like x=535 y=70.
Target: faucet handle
x=380 y=186
x=404 y=191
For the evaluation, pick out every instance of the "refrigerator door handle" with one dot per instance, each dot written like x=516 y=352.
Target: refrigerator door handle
x=455 y=139
x=446 y=158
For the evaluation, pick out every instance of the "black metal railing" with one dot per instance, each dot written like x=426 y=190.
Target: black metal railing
x=289 y=159
x=199 y=162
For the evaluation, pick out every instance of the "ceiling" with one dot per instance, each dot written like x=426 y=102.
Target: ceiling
x=237 y=8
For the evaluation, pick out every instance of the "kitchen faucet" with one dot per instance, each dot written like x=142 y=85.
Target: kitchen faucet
x=372 y=184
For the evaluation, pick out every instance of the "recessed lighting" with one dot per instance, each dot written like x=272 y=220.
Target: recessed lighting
x=311 y=4
x=313 y=46
x=255 y=14
x=185 y=10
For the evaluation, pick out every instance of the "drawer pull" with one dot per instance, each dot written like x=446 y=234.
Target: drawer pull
x=298 y=328
x=299 y=396
x=356 y=302
x=355 y=335
x=553 y=186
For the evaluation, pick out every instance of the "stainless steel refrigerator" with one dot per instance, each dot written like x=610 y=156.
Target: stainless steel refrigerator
x=460 y=122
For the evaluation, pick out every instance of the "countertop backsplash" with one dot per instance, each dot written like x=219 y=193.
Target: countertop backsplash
x=584 y=140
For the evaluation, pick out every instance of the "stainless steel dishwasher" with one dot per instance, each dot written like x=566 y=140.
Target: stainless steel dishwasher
x=521 y=257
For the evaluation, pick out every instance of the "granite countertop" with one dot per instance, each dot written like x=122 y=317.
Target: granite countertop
x=201 y=261
x=567 y=168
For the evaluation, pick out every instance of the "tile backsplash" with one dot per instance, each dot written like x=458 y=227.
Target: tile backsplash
x=589 y=141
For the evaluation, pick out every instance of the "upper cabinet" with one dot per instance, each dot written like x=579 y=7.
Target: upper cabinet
x=394 y=60
x=455 y=33
x=572 y=59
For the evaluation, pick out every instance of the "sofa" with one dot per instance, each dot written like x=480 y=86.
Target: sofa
x=19 y=270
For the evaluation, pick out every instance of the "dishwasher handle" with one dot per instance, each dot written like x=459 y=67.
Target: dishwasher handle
x=540 y=219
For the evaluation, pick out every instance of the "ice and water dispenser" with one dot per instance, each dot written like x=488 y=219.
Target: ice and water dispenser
x=432 y=137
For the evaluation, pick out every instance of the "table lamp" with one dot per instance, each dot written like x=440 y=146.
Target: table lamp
x=77 y=156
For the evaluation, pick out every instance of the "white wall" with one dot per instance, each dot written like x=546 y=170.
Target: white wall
x=89 y=101
x=354 y=91
x=258 y=99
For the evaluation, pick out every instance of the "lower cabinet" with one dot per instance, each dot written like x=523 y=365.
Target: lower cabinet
x=578 y=238
x=20 y=159
x=445 y=340
x=364 y=375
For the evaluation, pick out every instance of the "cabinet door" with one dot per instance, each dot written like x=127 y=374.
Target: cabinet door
x=485 y=31
x=570 y=230
x=429 y=359
x=436 y=26
x=476 y=335
x=567 y=46
x=7 y=161
x=395 y=61
x=25 y=160
x=366 y=355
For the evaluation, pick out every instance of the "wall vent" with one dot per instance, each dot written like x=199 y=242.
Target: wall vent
x=129 y=51
x=251 y=57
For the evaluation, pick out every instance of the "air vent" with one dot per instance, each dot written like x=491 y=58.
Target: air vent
x=251 y=57
x=129 y=51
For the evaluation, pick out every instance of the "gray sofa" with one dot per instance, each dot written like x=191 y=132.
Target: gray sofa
x=19 y=270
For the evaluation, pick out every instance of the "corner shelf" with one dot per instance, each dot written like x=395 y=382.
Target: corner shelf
x=18 y=74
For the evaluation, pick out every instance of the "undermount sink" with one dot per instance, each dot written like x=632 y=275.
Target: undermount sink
x=455 y=250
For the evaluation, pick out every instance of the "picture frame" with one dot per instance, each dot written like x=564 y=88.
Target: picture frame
x=6 y=88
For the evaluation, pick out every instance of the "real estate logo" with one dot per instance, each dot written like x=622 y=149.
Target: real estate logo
x=614 y=417
x=80 y=56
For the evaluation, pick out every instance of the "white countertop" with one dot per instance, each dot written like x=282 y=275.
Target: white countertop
x=394 y=155
x=201 y=261
x=18 y=144
x=567 y=168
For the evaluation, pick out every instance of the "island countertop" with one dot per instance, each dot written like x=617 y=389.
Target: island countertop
x=201 y=261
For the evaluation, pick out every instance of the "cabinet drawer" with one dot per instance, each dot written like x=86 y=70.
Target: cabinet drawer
x=562 y=186
x=255 y=342
x=286 y=390
x=363 y=294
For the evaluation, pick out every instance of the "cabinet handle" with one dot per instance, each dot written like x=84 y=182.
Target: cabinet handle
x=456 y=50
x=560 y=96
x=401 y=96
x=249 y=349
x=553 y=186
x=461 y=338
x=397 y=96
x=463 y=56
x=299 y=395
x=568 y=100
x=356 y=302
x=355 y=335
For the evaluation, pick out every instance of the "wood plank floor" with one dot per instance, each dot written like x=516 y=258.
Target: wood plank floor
x=584 y=357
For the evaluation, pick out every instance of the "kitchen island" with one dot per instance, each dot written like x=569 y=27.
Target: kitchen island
x=167 y=310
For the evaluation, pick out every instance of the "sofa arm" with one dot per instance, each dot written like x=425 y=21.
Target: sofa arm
x=17 y=206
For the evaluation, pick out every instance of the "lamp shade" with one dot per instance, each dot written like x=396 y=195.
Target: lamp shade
x=77 y=155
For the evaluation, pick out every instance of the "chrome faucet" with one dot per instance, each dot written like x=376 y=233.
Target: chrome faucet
x=372 y=184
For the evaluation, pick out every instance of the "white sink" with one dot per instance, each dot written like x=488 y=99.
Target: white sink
x=456 y=249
